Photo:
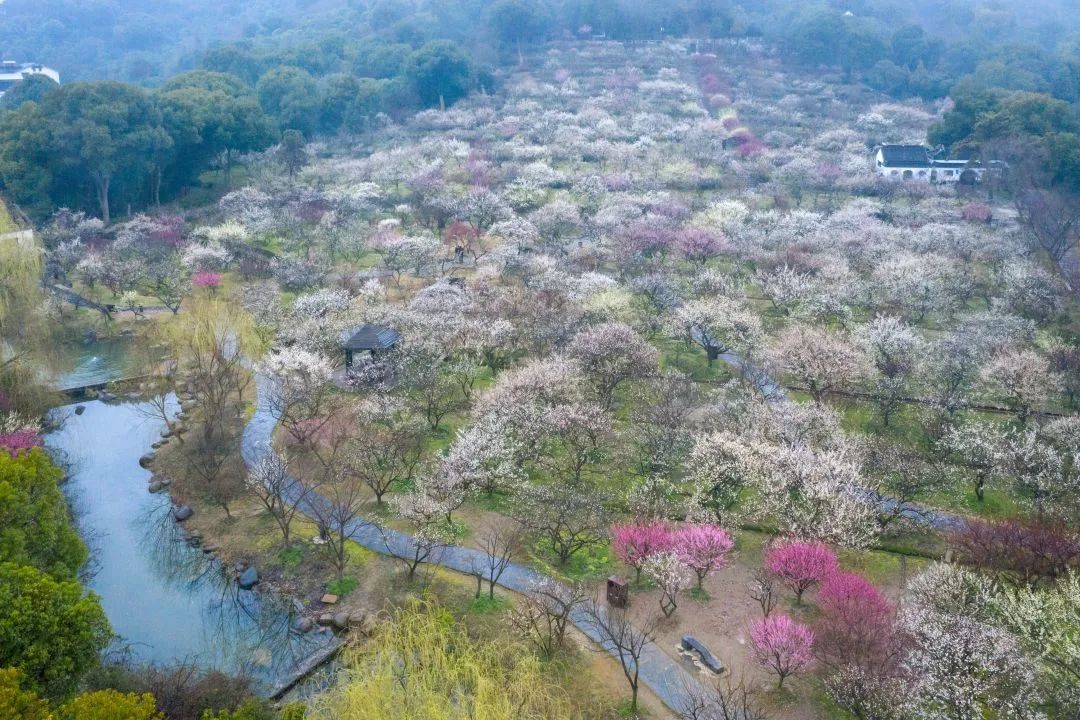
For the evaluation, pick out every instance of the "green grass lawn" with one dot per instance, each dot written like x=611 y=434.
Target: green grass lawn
x=999 y=503
x=692 y=361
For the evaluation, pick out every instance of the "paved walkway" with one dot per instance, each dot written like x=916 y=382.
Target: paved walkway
x=665 y=676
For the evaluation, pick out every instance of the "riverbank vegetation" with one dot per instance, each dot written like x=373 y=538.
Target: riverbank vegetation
x=53 y=631
x=636 y=307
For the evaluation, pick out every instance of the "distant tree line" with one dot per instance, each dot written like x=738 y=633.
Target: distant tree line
x=99 y=146
x=102 y=145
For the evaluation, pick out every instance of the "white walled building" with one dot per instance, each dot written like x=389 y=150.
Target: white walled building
x=914 y=162
x=12 y=73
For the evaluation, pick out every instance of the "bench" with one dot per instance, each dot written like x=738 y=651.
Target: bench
x=692 y=644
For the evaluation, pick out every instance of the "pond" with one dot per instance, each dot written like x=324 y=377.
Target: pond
x=167 y=601
x=95 y=362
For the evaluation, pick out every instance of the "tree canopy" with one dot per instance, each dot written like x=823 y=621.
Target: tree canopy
x=34 y=525
x=50 y=629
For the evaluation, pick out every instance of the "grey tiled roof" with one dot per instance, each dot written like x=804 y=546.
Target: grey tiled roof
x=905 y=155
x=369 y=337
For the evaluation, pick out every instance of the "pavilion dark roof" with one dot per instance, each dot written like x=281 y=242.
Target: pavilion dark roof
x=369 y=337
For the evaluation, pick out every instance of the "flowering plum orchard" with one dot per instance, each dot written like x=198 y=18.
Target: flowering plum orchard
x=645 y=304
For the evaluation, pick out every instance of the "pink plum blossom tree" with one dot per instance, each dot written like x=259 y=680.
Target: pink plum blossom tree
x=800 y=565
x=703 y=548
x=856 y=625
x=20 y=440
x=633 y=544
x=207 y=280
x=782 y=645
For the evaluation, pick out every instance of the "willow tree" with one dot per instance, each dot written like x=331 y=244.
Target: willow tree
x=23 y=329
x=212 y=345
x=423 y=664
x=20 y=278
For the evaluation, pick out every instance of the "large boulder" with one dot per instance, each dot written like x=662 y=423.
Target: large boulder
x=155 y=486
x=341 y=620
x=80 y=409
x=182 y=513
x=146 y=460
x=304 y=625
x=249 y=578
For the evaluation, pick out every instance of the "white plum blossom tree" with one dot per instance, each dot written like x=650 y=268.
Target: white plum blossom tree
x=719 y=325
x=821 y=360
x=1023 y=378
x=670 y=574
x=612 y=354
x=895 y=351
x=964 y=666
x=300 y=392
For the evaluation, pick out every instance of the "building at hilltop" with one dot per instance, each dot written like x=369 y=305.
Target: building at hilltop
x=12 y=73
x=915 y=162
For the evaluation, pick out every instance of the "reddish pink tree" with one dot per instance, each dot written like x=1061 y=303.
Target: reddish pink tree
x=698 y=245
x=703 y=548
x=459 y=233
x=800 y=565
x=20 y=441
x=782 y=645
x=206 y=279
x=1024 y=552
x=856 y=625
x=634 y=543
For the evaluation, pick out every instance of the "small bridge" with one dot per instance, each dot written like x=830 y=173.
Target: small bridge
x=80 y=390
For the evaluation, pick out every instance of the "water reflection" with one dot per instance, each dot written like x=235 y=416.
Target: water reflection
x=96 y=362
x=167 y=601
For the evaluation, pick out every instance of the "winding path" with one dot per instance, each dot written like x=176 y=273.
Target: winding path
x=662 y=674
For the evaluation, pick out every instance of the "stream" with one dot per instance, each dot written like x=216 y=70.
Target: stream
x=167 y=601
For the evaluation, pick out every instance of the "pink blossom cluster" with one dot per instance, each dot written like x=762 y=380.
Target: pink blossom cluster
x=800 y=565
x=206 y=279
x=782 y=645
x=20 y=441
x=856 y=622
x=702 y=548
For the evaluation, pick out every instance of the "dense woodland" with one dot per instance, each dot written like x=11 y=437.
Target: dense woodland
x=656 y=317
